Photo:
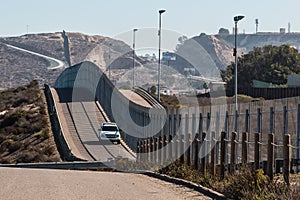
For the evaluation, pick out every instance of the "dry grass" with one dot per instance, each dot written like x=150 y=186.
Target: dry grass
x=25 y=134
x=246 y=184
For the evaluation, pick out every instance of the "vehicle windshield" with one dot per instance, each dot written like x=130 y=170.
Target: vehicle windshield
x=109 y=128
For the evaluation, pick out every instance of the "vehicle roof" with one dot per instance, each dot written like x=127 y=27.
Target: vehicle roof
x=108 y=124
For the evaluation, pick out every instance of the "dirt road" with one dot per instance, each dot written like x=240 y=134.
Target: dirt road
x=87 y=185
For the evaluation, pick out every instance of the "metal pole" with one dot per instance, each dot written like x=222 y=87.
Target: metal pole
x=235 y=68
x=236 y=19
x=159 y=44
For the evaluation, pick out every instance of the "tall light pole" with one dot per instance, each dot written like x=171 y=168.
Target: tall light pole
x=236 y=19
x=133 y=56
x=159 y=43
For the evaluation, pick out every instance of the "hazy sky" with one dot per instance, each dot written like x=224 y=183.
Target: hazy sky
x=111 y=17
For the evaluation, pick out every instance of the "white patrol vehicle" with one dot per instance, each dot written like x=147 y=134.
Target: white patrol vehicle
x=109 y=131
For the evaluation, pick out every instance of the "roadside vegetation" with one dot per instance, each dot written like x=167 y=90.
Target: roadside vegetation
x=25 y=131
x=246 y=184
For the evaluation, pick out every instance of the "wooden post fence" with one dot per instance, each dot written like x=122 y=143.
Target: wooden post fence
x=151 y=150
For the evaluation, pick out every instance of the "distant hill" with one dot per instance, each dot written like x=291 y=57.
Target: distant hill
x=206 y=53
x=217 y=50
x=19 y=68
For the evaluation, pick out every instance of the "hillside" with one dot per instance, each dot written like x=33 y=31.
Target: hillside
x=25 y=130
x=206 y=53
x=211 y=51
x=19 y=67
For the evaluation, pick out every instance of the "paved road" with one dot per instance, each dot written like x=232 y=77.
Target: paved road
x=84 y=131
x=37 y=184
x=56 y=63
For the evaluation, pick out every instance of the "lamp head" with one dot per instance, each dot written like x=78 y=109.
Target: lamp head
x=238 y=18
x=135 y=29
x=161 y=11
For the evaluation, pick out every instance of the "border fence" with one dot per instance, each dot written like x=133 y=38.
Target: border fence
x=267 y=93
x=264 y=134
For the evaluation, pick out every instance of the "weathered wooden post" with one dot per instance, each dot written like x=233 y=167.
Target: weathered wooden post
x=270 y=162
x=146 y=146
x=188 y=151
x=170 y=149
x=256 y=151
x=143 y=150
x=181 y=141
x=148 y=149
x=222 y=155
x=164 y=144
x=286 y=159
x=138 y=158
x=160 y=149
x=176 y=146
x=155 y=148
x=203 y=148
x=232 y=152
x=195 y=160
x=244 y=148
x=151 y=150
x=213 y=154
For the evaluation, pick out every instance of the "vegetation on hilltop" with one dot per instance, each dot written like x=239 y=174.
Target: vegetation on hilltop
x=173 y=101
x=25 y=133
x=270 y=64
